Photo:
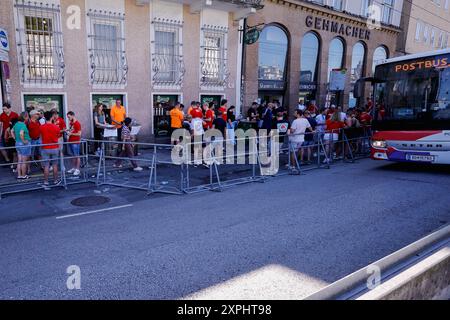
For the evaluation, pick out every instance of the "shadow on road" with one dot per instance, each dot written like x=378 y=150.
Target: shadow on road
x=416 y=168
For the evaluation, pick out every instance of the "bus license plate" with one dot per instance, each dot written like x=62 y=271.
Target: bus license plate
x=414 y=157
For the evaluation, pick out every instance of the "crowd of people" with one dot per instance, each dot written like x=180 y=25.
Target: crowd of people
x=37 y=136
x=43 y=137
x=310 y=124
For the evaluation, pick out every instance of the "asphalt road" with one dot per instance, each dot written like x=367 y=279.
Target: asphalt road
x=283 y=239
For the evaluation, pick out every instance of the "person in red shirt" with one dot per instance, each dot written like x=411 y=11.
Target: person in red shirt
x=5 y=119
x=313 y=110
x=56 y=119
x=74 y=134
x=365 y=118
x=223 y=109
x=369 y=104
x=334 y=126
x=50 y=149
x=209 y=115
x=196 y=112
x=34 y=129
x=330 y=111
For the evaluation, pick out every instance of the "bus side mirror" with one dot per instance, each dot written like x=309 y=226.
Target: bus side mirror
x=359 y=88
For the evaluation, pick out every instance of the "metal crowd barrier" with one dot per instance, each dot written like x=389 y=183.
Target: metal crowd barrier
x=10 y=184
x=225 y=163
x=229 y=167
x=110 y=170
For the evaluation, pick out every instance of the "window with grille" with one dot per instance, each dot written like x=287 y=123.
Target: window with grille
x=214 y=57
x=167 y=59
x=40 y=42
x=107 y=48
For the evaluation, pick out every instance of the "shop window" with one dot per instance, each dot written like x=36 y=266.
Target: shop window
x=309 y=61
x=273 y=48
x=335 y=55
x=357 y=71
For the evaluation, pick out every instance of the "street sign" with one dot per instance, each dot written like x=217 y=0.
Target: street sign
x=251 y=36
x=337 y=79
x=4 y=43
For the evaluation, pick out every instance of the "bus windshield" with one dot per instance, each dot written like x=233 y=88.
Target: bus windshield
x=414 y=90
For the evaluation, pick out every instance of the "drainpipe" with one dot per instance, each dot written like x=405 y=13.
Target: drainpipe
x=240 y=89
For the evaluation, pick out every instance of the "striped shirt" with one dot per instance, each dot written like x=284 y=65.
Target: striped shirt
x=126 y=133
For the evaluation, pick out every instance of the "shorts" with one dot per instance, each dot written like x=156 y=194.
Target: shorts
x=308 y=143
x=74 y=149
x=296 y=145
x=331 y=137
x=22 y=149
x=35 y=147
x=50 y=154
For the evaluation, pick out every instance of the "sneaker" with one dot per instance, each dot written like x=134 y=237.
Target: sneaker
x=138 y=169
x=76 y=173
x=46 y=186
x=117 y=166
x=57 y=182
x=71 y=171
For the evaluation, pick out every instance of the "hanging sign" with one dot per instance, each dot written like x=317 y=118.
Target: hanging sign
x=252 y=36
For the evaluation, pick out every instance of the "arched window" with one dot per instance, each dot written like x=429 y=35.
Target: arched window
x=357 y=71
x=379 y=54
x=273 y=47
x=309 y=61
x=309 y=57
x=358 y=56
x=335 y=55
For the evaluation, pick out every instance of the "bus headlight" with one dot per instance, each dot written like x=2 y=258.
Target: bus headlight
x=379 y=144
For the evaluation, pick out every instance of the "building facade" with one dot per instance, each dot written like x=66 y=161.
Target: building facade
x=73 y=54
x=426 y=25
x=302 y=42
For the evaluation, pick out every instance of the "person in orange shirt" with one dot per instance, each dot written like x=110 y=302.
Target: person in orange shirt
x=176 y=117
x=118 y=114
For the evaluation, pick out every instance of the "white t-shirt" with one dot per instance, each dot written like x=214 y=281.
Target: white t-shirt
x=298 y=128
x=301 y=107
x=321 y=122
x=197 y=126
x=343 y=116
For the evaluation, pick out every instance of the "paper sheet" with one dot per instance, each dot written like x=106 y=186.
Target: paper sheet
x=108 y=133
x=135 y=130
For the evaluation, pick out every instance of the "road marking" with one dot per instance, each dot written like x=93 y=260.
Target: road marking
x=94 y=211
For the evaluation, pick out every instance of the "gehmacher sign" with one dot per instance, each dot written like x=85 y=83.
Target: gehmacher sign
x=337 y=27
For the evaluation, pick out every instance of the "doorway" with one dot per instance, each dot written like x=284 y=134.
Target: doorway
x=109 y=100
x=45 y=102
x=271 y=97
x=162 y=103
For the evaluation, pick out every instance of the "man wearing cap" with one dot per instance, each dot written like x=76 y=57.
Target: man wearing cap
x=34 y=129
